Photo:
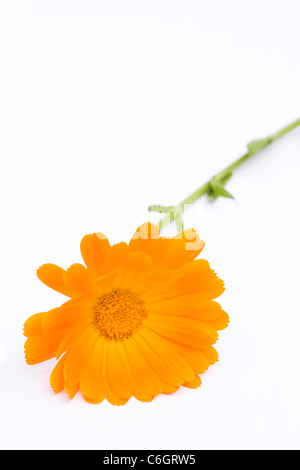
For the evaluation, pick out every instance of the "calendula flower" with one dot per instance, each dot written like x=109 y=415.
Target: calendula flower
x=141 y=320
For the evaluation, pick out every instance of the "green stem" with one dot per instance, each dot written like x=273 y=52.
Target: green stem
x=253 y=148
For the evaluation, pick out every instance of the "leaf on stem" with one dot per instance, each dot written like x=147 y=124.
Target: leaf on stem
x=257 y=145
x=159 y=208
x=217 y=189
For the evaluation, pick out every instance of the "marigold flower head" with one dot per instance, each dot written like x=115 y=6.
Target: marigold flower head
x=141 y=319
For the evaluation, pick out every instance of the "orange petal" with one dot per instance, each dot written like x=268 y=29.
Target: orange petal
x=67 y=316
x=155 y=284
x=160 y=251
x=70 y=335
x=194 y=383
x=167 y=377
x=93 y=402
x=148 y=242
x=106 y=283
x=194 y=307
x=171 y=253
x=193 y=279
x=53 y=277
x=93 y=383
x=79 y=279
x=41 y=348
x=118 y=375
x=211 y=354
x=186 y=247
x=116 y=261
x=114 y=400
x=56 y=377
x=94 y=250
x=136 y=265
x=79 y=355
x=117 y=256
x=33 y=325
x=197 y=276
x=221 y=322
x=142 y=371
x=71 y=391
x=195 y=357
x=167 y=354
x=137 y=391
x=143 y=237
x=190 y=239
x=182 y=330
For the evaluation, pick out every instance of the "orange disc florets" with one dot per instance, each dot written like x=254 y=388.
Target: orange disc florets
x=118 y=314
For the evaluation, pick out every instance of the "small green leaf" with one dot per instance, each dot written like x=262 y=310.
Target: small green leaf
x=257 y=145
x=219 y=190
x=159 y=208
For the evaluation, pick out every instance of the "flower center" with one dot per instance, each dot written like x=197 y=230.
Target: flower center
x=118 y=314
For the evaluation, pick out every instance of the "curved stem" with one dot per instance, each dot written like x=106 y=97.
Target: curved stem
x=253 y=148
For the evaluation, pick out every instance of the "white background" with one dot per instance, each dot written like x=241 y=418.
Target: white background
x=107 y=107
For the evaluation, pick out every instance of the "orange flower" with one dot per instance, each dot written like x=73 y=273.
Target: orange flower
x=141 y=320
